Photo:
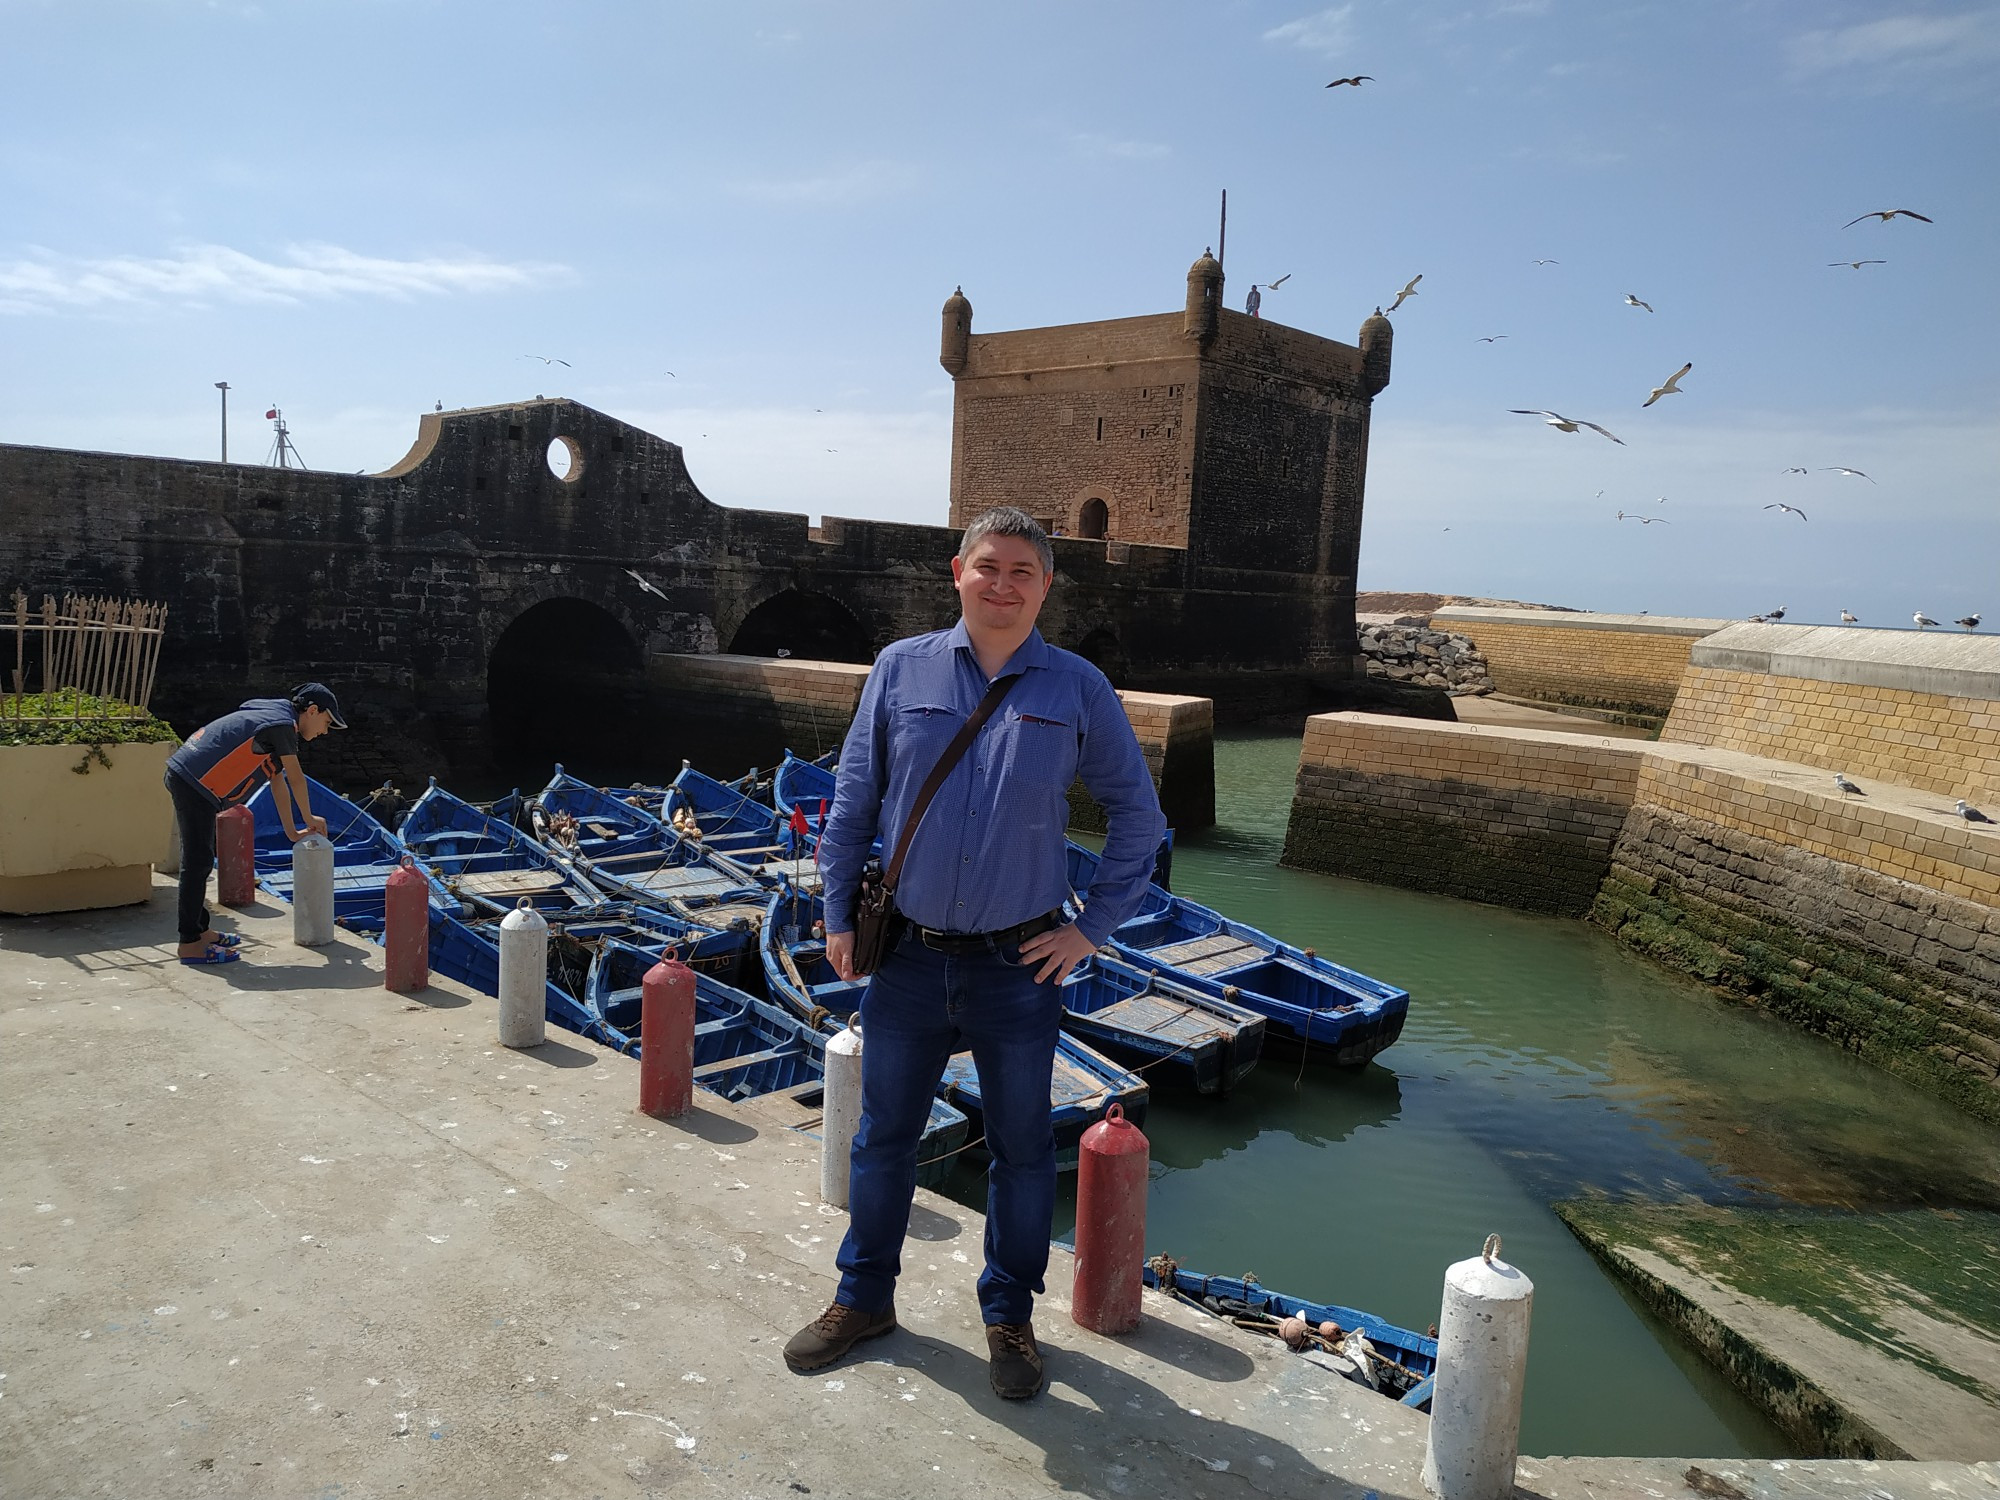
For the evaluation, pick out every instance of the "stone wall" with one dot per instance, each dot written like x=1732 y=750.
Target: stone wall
x=1919 y=709
x=757 y=708
x=1628 y=664
x=1874 y=921
x=1515 y=817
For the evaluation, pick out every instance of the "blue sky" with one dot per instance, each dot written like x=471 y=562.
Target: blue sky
x=357 y=208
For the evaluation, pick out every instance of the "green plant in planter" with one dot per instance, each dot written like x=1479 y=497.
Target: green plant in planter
x=69 y=717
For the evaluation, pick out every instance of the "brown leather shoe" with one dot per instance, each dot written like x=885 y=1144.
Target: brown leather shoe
x=1016 y=1368
x=828 y=1337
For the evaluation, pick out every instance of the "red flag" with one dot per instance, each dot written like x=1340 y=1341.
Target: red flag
x=271 y=415
x=798 y=824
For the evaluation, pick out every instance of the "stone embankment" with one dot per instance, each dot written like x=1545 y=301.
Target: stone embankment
x=1405 y=649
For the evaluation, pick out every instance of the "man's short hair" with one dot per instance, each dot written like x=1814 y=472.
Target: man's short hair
x=1008 y=520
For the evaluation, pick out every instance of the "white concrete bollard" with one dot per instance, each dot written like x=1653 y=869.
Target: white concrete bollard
x=1475 y=1433
x=312 y=891
x=524 y=976
x=840 y=1112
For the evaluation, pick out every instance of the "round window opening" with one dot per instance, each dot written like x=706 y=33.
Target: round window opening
x=565 y=459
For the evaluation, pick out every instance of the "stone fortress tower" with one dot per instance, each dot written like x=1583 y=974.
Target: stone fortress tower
x=1237 y=438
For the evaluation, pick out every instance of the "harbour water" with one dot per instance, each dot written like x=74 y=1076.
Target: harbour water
x=1540 y=1062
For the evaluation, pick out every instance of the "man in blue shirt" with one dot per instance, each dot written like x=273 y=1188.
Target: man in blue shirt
x=985 y=947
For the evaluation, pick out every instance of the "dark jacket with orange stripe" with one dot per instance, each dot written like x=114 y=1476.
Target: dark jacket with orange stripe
x=230 y=758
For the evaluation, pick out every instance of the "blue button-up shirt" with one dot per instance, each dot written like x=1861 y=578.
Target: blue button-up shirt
x=989 y=853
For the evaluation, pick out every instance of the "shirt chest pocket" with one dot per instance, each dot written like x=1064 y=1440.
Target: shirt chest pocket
x=919 y=732
x=1038 y=747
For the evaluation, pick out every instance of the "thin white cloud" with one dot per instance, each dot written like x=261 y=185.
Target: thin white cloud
x=1085 y=143
x=1522 y=8
x=45 y=281
x=1902 y=43
x=861 y=182
x=1326 y=33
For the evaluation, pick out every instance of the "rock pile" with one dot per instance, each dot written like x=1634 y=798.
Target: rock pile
x=1410 y=651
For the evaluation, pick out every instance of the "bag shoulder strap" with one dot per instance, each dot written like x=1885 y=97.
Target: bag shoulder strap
x=934 y=783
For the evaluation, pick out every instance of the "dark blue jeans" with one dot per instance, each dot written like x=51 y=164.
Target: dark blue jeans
x=197 y=819
x=920 y=1007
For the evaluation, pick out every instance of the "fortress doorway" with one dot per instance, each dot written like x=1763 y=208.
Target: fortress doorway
x=813 y=627
x=565 y=682
x=1095 y=520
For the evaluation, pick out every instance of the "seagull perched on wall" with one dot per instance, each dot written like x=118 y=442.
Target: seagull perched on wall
x=1970 y=622
x=1632 y=301
x=1924 y=621
x=1847 y=788
x=1850 y=473
x=1790 y=510
x=1668 y=387
x=1409 y=290
x=1886 y=214
x=1847 y=618
x=1970 y=813
x=643 y=584
x=1562 y=423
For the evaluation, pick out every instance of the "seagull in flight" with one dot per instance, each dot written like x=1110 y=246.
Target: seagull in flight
x=1562 y=423
x=1856 y=264
x=1796 y=471
x=1970 y=813
x=1848 y=617
x=1548 y=262
x=1924 y=621
x=1846 y=787
x=1886 y=214
x=1790 y=510
x=1633 y=301
x=1493 y=340
x=1850 y=473
x=548 y=361
x=1970 y=622
x=1409 y=290
x=1669 y=387
x=633 y=575
x=1645 y=520
x=1355 y=82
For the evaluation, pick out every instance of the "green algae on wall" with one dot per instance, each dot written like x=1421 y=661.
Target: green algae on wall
x=1920 y=1288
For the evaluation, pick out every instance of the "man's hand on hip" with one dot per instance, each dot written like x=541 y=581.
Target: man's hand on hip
x=1058 y=950
x=840 y=953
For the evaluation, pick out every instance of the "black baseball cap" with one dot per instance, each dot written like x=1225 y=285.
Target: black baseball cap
x=318 y=695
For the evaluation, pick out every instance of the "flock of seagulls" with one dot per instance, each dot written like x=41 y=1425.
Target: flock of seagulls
x=1964 y=809
x=1967 y=623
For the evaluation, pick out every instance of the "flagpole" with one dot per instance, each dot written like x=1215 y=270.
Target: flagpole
x=223 y=386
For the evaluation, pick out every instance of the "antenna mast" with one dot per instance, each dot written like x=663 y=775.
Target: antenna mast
x=284 y=452
x=1222 y=233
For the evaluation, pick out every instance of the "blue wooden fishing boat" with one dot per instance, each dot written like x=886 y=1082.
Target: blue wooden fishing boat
x=1147 y=1020
x=1397 y=1362
x=1330 y=1010
x=803 y=784
x=365 y=853
x=798 y=976
x=624 y=850
x=749 y=1048
x=485 y=861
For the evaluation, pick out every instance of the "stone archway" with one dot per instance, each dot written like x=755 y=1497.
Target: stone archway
x=1103 y=650
x=812 y=627
x=1094 y=520
x=565 y=682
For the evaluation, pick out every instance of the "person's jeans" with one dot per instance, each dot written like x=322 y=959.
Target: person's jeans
x=196 y=815
x=919 y=1008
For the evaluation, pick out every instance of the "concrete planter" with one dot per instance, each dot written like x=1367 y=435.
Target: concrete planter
x=71 y=842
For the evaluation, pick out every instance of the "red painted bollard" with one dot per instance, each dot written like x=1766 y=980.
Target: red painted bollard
x=666 y=1040
x=235 y=857
x=1110 y=1225
x=406 y=929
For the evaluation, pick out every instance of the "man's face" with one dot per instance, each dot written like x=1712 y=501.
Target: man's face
x=1002 y=584
x=314 y=721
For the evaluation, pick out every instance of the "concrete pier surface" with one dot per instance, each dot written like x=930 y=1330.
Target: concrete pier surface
x=271 y=1230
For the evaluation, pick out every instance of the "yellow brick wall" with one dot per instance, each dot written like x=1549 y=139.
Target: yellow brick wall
x=1566 y=765
x=1950 y=746
x=1565 y=664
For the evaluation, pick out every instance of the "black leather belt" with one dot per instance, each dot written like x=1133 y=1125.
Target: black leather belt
x=983 y=942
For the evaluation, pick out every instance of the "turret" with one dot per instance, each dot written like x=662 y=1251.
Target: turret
x=1204 y=298
x=957 y=332
x=1377 y=338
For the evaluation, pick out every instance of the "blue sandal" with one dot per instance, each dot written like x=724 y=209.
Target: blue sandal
x=228 y=940
x=214 y=953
